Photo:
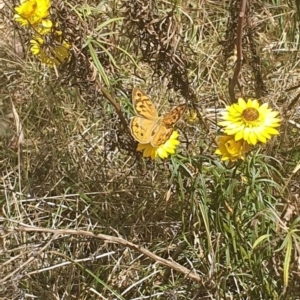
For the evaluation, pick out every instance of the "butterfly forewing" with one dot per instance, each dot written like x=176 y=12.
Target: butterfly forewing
x=142 y=105
x=171 y=118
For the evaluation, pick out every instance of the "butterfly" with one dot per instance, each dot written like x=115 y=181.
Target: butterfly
x=147 y=126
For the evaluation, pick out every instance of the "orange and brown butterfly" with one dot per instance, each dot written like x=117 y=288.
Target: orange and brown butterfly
x=147 y=126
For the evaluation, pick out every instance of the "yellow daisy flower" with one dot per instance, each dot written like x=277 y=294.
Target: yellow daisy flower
x=250 y=121
x=162 y=151
x=55 y=56
x=230 y=149
x=32 y=11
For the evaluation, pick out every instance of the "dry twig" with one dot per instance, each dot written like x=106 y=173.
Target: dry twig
x=234 y=80
x=109 y=239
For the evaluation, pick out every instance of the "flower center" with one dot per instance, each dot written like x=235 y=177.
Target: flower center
x=250 y=114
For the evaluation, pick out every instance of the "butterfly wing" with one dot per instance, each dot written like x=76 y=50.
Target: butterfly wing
x=143 y=106
x=143 y=129
x=171 y=118
x=164 y=130
x=160 y=135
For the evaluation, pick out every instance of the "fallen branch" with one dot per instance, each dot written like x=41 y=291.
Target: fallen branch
x=109 y=239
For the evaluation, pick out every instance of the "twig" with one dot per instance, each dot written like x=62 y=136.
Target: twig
x=239 y=38
x=113 y=102
x=292 y=104
x=109 y=239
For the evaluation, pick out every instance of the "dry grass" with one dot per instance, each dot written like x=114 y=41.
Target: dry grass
x=79 y=202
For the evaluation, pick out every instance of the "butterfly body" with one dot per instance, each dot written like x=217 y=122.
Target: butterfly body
x=147 y=126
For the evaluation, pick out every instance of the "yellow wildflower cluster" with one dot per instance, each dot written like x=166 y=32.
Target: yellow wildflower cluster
x=35 y=14
x=245 y=124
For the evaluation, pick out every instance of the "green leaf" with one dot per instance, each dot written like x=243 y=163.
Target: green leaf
x=260 y=240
